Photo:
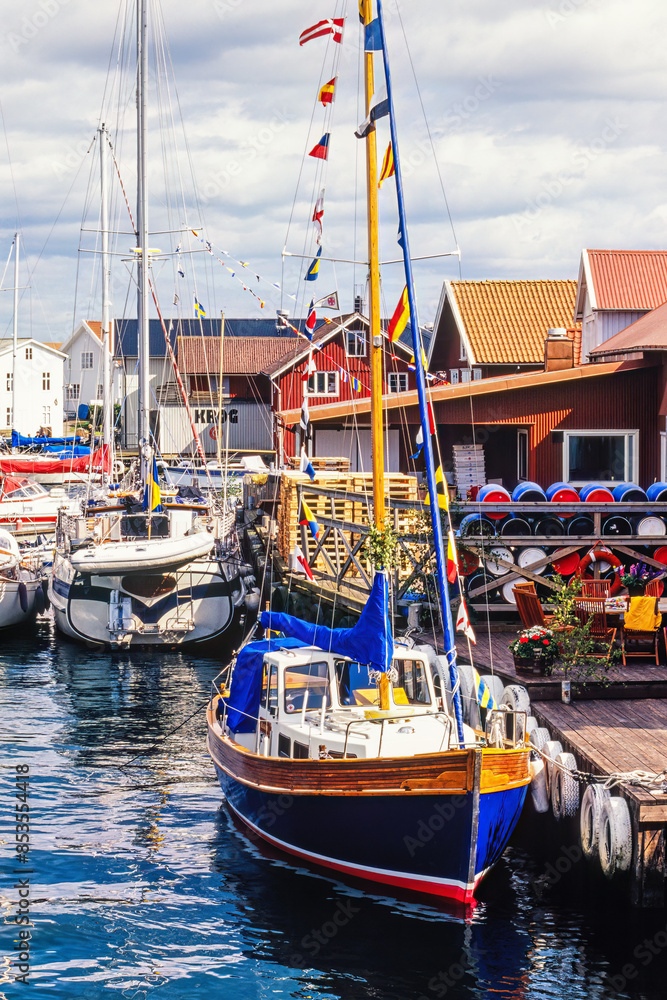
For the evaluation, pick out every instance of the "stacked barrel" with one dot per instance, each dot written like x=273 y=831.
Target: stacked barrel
x=498 y=528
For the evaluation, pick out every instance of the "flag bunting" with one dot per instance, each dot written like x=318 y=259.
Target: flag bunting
x=306 y=465
x=306 y=517
x=199 y=309
x=326 y=95
x=300 y=563
x=463 y=625
x=321 y=150
x=329 y=26
x=399 y=320
x=388 y=166
x=314 y=269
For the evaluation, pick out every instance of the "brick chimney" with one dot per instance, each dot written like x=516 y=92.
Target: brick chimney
x=558 y=350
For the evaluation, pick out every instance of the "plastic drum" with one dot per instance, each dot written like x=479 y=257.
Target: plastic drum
x=660 y=555
x=582 y=524
x=596 y=494
x=649 y=525
x=490 y=562
x=492 y=493
x=479 y=579
x=629 y=493
x=476 y=525
x=565 y=565
x=657 y=492
x=529 y=493
x=507 y=592
x=516 y=526
x=616 y=525
x=562 y=493
x=529 y=556
x=549 y=525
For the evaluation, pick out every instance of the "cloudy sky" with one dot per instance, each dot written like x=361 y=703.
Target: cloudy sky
x=547 y=117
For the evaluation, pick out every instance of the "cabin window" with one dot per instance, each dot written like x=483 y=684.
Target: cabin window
x=355 y=343
x=301 y=751
x=600 y=456
x=411 y=688
x=354 y=687
x=307 y=678
x=271 y=696
x=46 y=380
x=284 y=746
x=86 y=359
x=72 y=392
x=323 y=384
x=398 y=381
x=28 y=353
x=10 y=381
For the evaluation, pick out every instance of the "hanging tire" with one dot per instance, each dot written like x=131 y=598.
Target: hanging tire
x=539 y=738
x=564 y=787
x=592 y=805
x=531 y=723
x=495 y=686
x=615 y=836
x=516 y=698
x=551 y=751
x=538 y=786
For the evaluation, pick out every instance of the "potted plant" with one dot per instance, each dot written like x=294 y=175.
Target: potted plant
x=636 y=577
x=535 y=647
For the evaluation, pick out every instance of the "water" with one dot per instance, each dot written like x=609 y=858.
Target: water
x=143 y=887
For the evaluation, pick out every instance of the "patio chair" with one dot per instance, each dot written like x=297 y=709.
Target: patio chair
x=591 y=609
x=526 y=585
x=595 y=588
x=530 y=609
x=642 y=628
x=654 y=588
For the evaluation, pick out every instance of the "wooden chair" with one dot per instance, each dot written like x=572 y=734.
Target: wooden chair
x=530 y=609
x=526 y=585
x=595 y=588
x=592 y=609
x=639 y=642
x=654 y=588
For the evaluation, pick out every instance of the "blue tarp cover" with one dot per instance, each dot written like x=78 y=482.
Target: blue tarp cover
x=369 y=641
x=78 y=451
x=21 y=441
x=246 y=689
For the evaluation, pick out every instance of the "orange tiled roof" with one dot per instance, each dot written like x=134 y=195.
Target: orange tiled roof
x=507 y=321
x=628 y=279
x=96 y=327
x=241 y=355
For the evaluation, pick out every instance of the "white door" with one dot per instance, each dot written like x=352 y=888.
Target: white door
x=356 y=445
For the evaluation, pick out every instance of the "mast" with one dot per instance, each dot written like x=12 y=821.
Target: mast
x=143 y=343
x=441 y=561
x=375 y=332
x=107 y=402
x=15 y=324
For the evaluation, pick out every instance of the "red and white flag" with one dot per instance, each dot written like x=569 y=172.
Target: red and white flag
x=463 y=623
x=317 y=215
x=310 y=368
x=329 y=26
x=300 y=563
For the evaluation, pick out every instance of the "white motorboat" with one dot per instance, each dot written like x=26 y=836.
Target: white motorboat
x=21 y=594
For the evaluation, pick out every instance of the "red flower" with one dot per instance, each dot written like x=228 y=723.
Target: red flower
x=545 y=642
x=524 y=638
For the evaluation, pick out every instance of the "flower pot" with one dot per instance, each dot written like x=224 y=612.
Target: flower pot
x=532 y=664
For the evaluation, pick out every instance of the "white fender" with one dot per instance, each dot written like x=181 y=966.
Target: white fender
x=615 y=836
x=551 y=751
x=564 y=786
x=495 y=686
x=539 y=737
x=516 y=698
x=538 y=786
x=592 y=804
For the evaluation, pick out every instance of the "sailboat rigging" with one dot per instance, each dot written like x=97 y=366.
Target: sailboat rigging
x=363 y=732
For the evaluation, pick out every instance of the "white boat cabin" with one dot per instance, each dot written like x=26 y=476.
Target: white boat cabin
x=320 y=705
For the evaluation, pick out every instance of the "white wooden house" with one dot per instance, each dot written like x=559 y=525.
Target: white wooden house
x=83 y=371
x=36 y=400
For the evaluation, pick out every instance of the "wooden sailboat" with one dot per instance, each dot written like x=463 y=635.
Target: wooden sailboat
x=136 y=567
x=349 y=750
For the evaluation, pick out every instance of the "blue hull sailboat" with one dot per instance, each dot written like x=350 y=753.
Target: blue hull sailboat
x=348 y=748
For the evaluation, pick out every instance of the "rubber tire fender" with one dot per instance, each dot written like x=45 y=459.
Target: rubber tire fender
x=516 y=698
x=550 y=752
x=564 y=787
x=495 y=686
x=615 y=836
x=592 y=805
x=538 y=786
x=539 y=737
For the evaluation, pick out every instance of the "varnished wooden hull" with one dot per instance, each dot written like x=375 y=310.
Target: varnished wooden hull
x=434 y=823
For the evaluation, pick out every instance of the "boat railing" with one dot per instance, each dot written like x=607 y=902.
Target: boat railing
x=381 y=722
x=505 y=727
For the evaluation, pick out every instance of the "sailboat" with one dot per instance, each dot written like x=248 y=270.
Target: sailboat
x=136 y=567
x=346 y=748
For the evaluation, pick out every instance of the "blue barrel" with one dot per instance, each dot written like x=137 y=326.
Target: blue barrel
x=516 y=526
x=594 y=493
x=475 y=525
x=83 y=411
x=529 y=493
x=657 y=492
x=562 y=492
x=629 y=493
x=493 y=493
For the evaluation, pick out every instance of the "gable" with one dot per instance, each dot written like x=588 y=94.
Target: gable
x=624 y=280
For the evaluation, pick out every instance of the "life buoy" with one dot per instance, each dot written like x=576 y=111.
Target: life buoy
x=599 y=553
x=118 y=468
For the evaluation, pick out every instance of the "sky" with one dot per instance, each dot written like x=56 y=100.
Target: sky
x=543 y=133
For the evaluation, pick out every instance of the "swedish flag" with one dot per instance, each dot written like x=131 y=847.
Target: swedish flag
x=484 y=697
x=199 y=309
x=152 y=497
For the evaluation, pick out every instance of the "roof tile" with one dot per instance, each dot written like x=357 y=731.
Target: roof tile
x=628 y=279
x=241 y=355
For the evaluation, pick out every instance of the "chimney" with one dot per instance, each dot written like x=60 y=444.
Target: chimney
x=558 y=350
x=282 y=316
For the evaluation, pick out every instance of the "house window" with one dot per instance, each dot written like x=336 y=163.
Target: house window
x=476 y=374
x=86 y=359
x=100 y=390
x=463 y=355
x=10 y=381
x=398 y=382
x=465 y=374
x=72 y=392
x=323 y=384
x=28 y=353
x=46 y=380
x=522 y=455
x=355 y=343
x=600 y=456
x=9 y=416
x=46 y=416
x=454 y=376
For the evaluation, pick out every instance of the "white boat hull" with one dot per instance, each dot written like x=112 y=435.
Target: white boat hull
x=15 y=610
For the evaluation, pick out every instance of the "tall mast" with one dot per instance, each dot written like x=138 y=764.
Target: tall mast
x=107 y=402
x=143 y=344
x=375 y=332
x=15 y=325
x=441 y=562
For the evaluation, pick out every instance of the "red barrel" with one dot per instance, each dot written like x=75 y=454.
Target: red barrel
x=567 y=565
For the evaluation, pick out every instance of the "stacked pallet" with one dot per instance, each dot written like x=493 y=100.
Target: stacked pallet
x=468 y=467
x=397 y=487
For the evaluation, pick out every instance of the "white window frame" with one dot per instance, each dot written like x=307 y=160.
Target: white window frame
x=466 y=375
x=100 y=390
x=46 y=416
x=28 y=353
x=72 y=392
x=46 y=381
x=313 y=391
x=522 y=435
x=359 y=342
x=454 y=376
x=9 y=416
x=85 y=357
x=631 y=469
x=394 y=380
x=476 y=374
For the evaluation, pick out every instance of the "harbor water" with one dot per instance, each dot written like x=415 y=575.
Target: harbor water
x=140 y=885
